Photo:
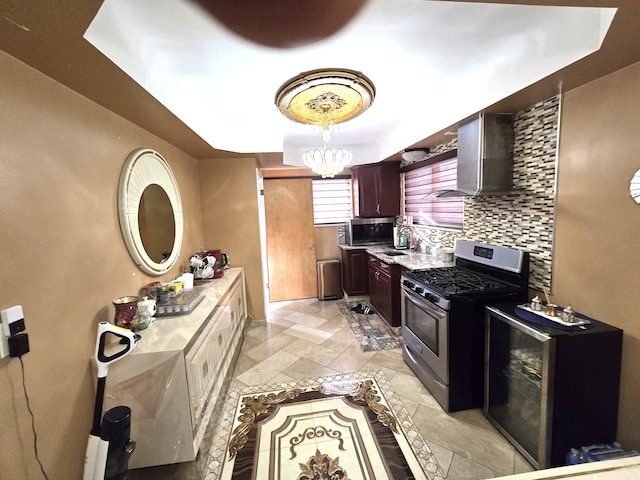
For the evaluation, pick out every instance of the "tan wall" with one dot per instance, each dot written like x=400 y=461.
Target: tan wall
x=230 y=215
x=597 y=254
x=63 y=258
x=327 y=243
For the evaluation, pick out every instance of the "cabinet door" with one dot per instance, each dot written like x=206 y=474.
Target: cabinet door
x=355 y=272
x=369 y=191
x=377 y=189
x=389 y=196
x=384 y=288
x=373 y=290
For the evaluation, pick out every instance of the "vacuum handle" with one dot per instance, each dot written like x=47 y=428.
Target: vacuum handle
x=127 y=339
x=97 y=409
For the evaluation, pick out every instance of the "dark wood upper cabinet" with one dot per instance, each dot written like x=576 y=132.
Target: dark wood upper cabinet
x=376 y=189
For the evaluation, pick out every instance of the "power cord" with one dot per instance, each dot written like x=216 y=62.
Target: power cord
x=33 y=421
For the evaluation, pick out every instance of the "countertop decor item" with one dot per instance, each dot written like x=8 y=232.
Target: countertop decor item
x=127 y=314
x=147 y=309
x=527 y=312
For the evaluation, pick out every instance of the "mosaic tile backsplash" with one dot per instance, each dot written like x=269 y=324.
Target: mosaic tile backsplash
x=524 y=221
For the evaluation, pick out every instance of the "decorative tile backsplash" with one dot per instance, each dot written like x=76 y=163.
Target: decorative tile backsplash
x=524 y=221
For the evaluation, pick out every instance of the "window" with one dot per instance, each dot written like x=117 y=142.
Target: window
x=439 y=212
x=331 y=200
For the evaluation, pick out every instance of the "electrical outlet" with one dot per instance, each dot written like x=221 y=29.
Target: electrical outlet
x=12 y=324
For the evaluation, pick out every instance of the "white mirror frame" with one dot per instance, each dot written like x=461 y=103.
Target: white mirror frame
x=146 y=167
x=634 y=187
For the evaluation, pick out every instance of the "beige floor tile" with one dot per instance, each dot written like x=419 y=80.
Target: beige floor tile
x=464 y=469
x=351 y=360
x=244 y=363
x=304 y=368
x=465 y=435
x=319 y=353
x=264 y=371
x=308 y=333
x=269 y=347
x=306 y=319
x=408 y=386
x=344 y=338
x=521 y=465
x=443 y=455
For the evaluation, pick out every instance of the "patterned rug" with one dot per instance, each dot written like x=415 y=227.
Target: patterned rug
x=371 y=331
x=344 y=426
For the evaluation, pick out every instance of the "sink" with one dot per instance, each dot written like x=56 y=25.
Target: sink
x=393 y=253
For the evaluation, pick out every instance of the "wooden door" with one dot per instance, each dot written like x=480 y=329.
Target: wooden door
x=291 y=254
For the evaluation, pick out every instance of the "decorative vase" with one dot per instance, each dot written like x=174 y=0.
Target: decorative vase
x=127 y=315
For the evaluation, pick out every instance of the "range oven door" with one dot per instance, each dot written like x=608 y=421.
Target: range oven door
x=424 y=331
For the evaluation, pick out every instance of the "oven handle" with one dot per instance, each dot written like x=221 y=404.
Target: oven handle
x=422 y=304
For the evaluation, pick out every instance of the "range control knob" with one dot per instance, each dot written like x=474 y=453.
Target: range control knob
x=409 y=284
x=419 y=290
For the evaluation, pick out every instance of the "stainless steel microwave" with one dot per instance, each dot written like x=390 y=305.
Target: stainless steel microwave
x=370 y=231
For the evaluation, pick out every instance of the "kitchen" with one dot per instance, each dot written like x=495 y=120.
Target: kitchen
x=64 y=239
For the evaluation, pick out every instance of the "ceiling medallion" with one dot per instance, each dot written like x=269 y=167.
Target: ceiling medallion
x=347 y=92
x=325 y=97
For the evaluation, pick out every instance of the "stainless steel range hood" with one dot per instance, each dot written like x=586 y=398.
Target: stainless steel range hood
x=485 y=157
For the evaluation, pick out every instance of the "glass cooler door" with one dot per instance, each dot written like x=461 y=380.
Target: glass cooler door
x=517 y=396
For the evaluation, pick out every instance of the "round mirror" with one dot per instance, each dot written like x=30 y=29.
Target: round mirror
x=150 y=211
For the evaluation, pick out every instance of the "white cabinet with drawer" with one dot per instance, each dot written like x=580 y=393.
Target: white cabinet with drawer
x=175 y=376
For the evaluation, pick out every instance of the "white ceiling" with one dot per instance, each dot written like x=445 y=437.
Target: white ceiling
x=433 y=63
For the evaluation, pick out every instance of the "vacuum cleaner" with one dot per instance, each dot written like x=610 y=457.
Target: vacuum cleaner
x=109 y=446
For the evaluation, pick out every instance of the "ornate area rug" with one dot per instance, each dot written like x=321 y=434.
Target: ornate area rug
x=371 y=331
x=340 y=427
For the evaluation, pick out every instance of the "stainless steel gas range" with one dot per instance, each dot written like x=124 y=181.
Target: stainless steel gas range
x=443 y=318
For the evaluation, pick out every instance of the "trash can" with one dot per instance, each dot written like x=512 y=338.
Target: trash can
x=329 y=279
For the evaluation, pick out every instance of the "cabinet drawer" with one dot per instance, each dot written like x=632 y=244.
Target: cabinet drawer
x=384 y=267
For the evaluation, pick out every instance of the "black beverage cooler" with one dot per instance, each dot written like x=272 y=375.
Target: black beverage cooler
x=548 y=389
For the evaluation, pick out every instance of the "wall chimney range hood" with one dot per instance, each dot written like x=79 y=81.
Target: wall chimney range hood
x=485 y=157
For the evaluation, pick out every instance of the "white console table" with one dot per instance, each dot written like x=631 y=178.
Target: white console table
x=174 y=377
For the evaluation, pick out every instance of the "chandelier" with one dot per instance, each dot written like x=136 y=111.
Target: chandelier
x=325 y=97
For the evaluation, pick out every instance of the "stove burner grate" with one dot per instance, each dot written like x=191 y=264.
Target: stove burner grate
x=455 y=280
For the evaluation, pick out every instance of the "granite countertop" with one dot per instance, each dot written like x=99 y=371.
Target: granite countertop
x=411 y=259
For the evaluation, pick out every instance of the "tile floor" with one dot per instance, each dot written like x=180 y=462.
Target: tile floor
x=310 y=338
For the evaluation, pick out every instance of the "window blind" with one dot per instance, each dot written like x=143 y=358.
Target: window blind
x=442 y=212
x=331 y=200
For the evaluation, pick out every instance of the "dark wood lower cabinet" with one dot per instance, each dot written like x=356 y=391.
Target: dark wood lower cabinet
x=355 y=280
x=384 y=289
